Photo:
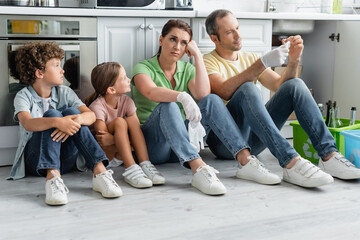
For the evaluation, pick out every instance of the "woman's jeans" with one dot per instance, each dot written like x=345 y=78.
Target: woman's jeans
x=259 y=125
x=167 y=138
x=42 y=153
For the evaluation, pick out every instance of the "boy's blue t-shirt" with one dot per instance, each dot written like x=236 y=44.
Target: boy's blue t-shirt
x=28 y=100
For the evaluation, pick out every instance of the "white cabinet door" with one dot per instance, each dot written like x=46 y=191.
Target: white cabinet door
x=347 y=69
x=121 y=40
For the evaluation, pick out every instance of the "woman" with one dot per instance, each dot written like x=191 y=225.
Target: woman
x=159 y=83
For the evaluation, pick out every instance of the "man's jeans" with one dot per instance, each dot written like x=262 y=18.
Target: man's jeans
x=259 y=124
x=167 y=138
x=43 y=153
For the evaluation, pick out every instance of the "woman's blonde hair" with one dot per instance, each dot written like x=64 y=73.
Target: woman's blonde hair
x=103 y=76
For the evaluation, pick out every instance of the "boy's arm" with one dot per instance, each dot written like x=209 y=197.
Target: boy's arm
x=86 y=117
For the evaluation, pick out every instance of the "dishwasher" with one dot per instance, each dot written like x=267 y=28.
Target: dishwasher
x=77 y=36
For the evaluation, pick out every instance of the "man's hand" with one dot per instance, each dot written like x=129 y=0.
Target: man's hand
x=275 y=57
x=296 y=47
x=104 y=138
x=192 y=111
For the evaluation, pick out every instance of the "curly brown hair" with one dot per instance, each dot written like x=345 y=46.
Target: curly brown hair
x=31 y=57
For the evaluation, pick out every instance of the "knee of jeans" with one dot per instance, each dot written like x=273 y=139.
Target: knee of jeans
x=210 y=99
x=295 y=84
x=71 y=111
x=52 y=113
x=170 y=107
x=247 y=89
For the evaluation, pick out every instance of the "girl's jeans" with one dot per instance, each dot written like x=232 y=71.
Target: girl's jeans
x=43 y=153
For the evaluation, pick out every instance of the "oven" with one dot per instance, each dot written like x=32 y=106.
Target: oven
x=76 y=36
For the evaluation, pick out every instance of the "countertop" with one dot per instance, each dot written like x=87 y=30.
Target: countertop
x=167 y=13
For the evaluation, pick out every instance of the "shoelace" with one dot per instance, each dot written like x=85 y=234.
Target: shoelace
x=209 y=172
x=259 y=165
x=108 y=179
x=57 y=184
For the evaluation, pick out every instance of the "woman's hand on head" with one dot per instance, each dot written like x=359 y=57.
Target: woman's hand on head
x=192 y=49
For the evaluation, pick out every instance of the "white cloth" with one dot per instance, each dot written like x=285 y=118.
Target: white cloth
x=114 y=163
x=276 y=57
x=196 y=135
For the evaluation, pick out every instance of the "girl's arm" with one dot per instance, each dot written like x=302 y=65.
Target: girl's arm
x=103 y=136
x=200 y=86
x=154 y=93
x=87 y=117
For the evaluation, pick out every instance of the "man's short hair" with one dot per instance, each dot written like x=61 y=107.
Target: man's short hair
x=31 y=57
x=210 y=23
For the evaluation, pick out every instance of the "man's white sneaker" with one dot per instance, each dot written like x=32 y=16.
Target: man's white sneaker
x=152 y=173
x=338 y=166
x=56 y=191
x=135 y=176
x=254 y=170
x=206 y=181
x=106 y=185
x=306 y=174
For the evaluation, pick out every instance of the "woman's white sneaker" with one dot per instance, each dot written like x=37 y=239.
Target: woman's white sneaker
x=206 y=181
x=105 y=184
x=135 y=176
x=254 y=170
x=152 y=173
x=338 y=166
x=56 y=191
x=306 y=174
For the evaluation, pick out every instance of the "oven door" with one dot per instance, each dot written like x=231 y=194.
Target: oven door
x=79 y=60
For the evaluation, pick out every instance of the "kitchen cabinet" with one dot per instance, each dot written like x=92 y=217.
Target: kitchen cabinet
x=330 y=68
x=129 y=40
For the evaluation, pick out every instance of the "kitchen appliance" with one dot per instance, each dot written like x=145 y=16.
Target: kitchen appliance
x=179 y=5
x=14 y=2
x=124 y=4
x=75 y=35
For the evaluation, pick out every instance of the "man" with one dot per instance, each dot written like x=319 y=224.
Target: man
x=232 y=75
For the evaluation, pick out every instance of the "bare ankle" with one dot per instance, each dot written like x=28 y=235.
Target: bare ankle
x=328 y=157
x=242 y=156
x=292 y=162
x=195 y=164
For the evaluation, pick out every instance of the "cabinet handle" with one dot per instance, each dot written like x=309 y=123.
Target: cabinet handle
x=142 y=26
x=150 y=27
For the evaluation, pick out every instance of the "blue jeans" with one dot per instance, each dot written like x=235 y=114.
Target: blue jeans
x=167 y=138
x=260 y=124
x=42 y=153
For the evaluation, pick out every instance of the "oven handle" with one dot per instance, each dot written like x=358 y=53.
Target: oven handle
x=14 y=47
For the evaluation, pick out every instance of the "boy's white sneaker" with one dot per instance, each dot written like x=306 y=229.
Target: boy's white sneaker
x=338 y=166
x=254 y=170
x=135 y=176
x=56 y=191
x=306 y=174
x=105 y=184
x=152 y=173
x=206 y=181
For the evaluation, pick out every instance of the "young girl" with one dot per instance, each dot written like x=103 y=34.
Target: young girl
x=117 y=126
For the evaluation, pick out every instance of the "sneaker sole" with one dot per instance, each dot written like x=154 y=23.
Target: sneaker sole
x=138 y=186
x=210 y=193
x=258 y=181
x=308 y=185
x=56 y=203
x=107 y=196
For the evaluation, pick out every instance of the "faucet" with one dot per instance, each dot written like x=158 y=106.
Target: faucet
x=268 y=6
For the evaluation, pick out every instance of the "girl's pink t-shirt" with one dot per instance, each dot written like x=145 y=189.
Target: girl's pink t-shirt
x=125 y=107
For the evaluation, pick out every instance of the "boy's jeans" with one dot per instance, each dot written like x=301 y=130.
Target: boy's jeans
x=260 y=124
x=43 y=153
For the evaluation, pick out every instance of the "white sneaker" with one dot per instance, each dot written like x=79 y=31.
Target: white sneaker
x=152 y=173
x=306 y=174
x=56 y=191
x=206 y=181
x=135 y=176
x=106 y=185
x=254 y=170
x=338 y=166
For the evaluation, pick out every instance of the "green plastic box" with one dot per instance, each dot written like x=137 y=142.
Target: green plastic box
x=304 y=147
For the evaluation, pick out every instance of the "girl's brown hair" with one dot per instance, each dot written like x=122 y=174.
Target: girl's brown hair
x=103 y=76
x=173 y=23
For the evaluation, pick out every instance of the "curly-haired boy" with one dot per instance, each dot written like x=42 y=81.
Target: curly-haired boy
x=53 y=126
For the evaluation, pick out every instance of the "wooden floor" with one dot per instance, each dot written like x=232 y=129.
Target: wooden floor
x=178 y=211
